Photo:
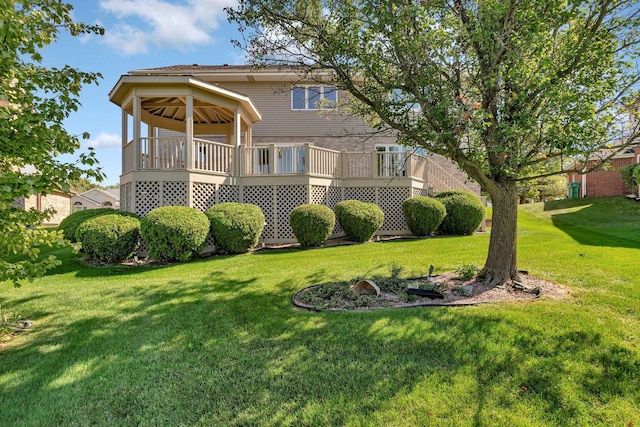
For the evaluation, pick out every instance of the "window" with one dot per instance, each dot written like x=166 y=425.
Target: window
x=313 y=97
x=390 y=160
x=77 y=206
x=107 y=204
x=401 y=100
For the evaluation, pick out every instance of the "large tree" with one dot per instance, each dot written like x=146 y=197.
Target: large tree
x=34 y=102
x=502 y=85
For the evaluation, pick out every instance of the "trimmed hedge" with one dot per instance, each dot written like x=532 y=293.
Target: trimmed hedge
x=235 y=227
x=359 y=220
x=446 y=193
x=109 y=238
x=174 y=233
x=423 y=215
x=312 y=224
x=465 y=212
x=70 y=224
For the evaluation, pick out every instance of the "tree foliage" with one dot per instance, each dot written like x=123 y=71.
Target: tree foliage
x=34 y=102
x=497 y=86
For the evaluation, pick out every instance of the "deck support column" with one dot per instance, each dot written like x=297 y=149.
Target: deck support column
x=137 y=118
x=125 y=136
x=188 y=122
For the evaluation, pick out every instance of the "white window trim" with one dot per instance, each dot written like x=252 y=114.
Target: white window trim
x=306 y=96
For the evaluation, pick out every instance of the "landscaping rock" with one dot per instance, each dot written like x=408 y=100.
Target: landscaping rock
x=466 y=290
x=366 y=287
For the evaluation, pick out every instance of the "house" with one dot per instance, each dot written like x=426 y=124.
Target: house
x=57 y=200
x=603 y=182
x=201 y=135
x=96 y=198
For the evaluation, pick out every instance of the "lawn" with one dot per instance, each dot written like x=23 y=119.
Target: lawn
x=217 y=341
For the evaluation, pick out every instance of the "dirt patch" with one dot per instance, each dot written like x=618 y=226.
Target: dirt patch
x=454 y=289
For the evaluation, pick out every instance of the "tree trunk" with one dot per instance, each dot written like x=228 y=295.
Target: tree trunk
x=500 y=266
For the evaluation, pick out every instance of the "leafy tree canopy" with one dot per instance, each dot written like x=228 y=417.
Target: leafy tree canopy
x=498 y=86
x=34 y=102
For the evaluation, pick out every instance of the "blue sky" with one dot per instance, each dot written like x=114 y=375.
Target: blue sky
x=138 y=34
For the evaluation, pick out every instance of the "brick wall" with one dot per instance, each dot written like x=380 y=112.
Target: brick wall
x=604 y=183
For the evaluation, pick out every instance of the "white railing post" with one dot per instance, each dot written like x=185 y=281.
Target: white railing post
x=345 y=163
x=271 y=167
x=308 y=161
x=408 y=164
x=374 y=164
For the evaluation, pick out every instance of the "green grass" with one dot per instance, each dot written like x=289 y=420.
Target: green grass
x=217 y=341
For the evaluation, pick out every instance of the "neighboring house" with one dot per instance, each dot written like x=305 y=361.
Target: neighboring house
x=603 y=182
x=96 y=198
x=58 y=200
x=201 y=135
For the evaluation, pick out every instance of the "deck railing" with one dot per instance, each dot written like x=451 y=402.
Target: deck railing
x=213 y=156
x=162 y=153
x=358 y=165
x=220 y=158
x=128 y=156
x=440 y=179
x=325 y=162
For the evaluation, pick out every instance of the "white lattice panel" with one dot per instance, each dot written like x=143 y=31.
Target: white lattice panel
x=319 y=195
x=364 y=194
x=390 y=201
x=420 y=192
x=228 y=193
x=129 y=191
x=204 y=195
x=147 y=196
x=123 y=197
x=262 y=195
x=174 y=193
x=288 y=197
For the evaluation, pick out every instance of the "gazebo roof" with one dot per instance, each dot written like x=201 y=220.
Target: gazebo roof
x=163 y=101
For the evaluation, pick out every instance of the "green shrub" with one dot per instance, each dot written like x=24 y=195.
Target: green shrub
x=423 y=215
x=465 y=212
x=312 y=224
x=235 y=227
x=109 y=238
x=175 y=232
x=70 y=224
x=359 y=220
x=630 y=175
x=447 y=193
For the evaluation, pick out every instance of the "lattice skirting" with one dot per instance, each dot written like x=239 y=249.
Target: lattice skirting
x=275 y=201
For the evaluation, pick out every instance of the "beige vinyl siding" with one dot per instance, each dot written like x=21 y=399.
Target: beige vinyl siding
x=273 y=101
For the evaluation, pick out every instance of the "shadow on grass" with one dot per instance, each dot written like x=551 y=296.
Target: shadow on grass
x=610 y=221
x=222 y=351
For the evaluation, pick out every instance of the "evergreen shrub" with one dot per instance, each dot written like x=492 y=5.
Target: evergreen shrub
x=423 y=215
x=465 y=212
x=235 y=227
x=70 y=224
x=109 y=238
x=359 y=220
x=174 y=233
x=312 y=224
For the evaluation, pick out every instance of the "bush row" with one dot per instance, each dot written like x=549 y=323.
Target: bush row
x=451 y=212
x=177 y=233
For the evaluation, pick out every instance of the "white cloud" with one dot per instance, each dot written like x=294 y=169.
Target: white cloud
x=162 y=23
x=105 y=140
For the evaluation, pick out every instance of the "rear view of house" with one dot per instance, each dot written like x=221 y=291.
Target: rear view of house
x=201 y=135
